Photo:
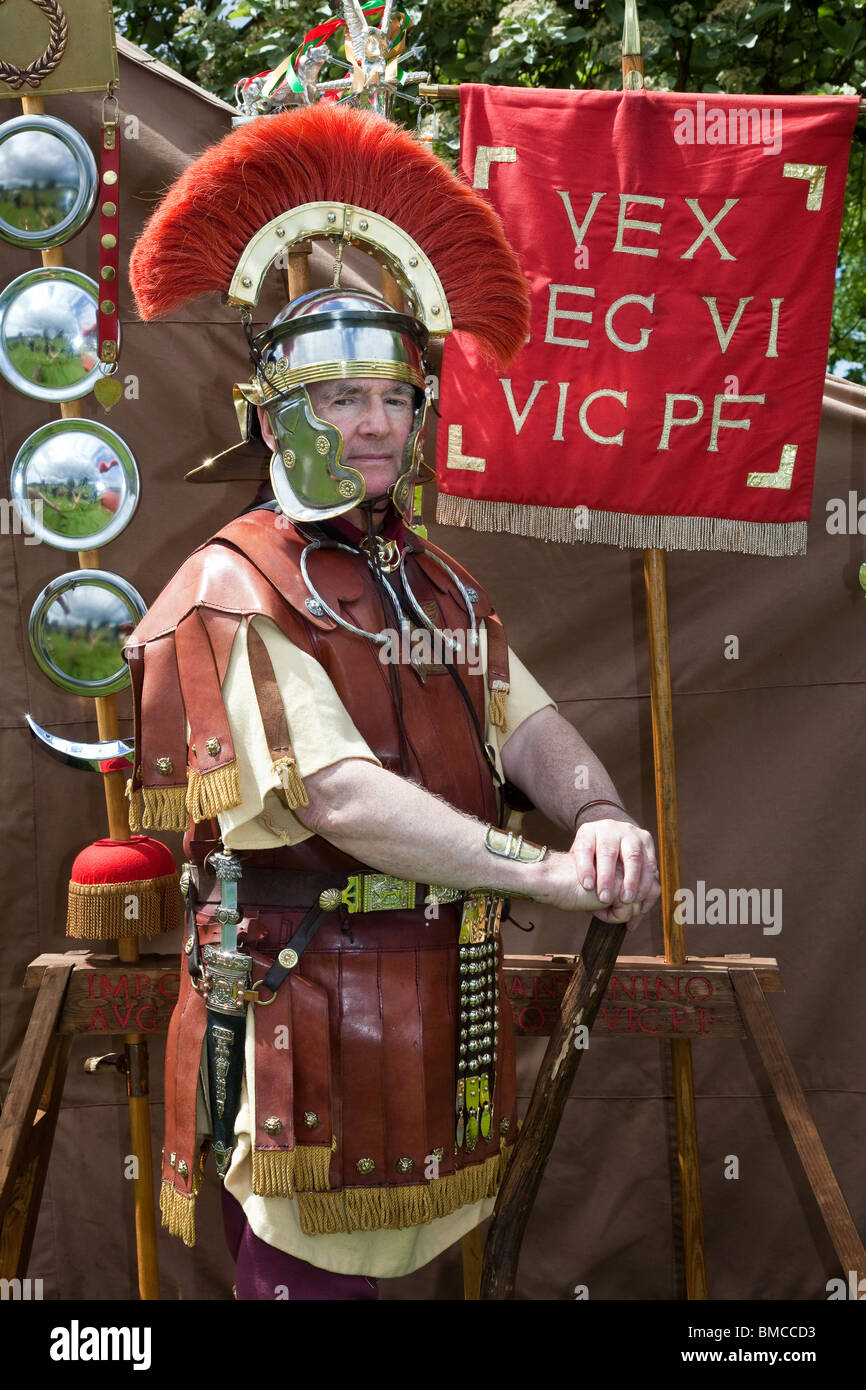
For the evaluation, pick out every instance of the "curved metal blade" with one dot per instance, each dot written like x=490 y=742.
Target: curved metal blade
x=111 y=755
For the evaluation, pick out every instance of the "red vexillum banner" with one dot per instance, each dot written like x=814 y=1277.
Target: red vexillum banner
x=681 y=250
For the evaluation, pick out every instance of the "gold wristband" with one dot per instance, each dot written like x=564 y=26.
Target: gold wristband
x=510 y=846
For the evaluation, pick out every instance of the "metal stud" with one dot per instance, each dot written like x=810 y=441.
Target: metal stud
x=405 y=1165
x=213 y=746
x=363 y=224
x=165 y=766
x=273 y=1124
x=365 y=1165
x=183 y=1168
x=311 y=1119
x=246 y=282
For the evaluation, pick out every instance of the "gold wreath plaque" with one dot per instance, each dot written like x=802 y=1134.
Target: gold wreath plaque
x=52 y=46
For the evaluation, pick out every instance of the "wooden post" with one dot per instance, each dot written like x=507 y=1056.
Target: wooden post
x=118 y=829
x=668 y=823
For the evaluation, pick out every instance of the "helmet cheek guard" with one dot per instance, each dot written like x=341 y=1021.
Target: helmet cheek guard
x=402 y=491
x=328 y=335
x=307 y=477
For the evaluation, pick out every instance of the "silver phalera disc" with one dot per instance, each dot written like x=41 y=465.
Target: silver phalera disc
x=75 y=484
x=48 y=338
x=79 y=625
x=48 y=181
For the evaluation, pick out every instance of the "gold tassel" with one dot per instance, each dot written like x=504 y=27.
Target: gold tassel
x=395 y=1208
x=286 y=769
x=208 y=793
x=98 y=911
x=312 y=1167
x=273 y=1172
x=625 y=529
x=178 y=1213
x=496 y=706
x=164 y=808
x=281 y=1172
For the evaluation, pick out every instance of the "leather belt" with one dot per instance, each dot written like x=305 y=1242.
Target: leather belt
x=365 y=892
x=376 y=892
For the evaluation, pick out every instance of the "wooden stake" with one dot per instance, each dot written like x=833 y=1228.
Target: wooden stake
x=561 y=1059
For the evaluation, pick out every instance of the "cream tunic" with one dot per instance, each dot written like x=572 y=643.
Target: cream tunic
x=322 y=733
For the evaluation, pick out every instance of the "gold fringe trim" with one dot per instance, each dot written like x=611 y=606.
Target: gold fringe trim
x=157 y=808
x=395 y=1208
x=290 y=779
x=178 y=1213
x=98 y=911
x=624 y=529
x=273 y=1172
x=279 y=1172
x=208 y=793
x=496 y=704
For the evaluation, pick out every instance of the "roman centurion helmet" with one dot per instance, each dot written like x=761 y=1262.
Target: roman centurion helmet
x=322 y=335
x=350 y=177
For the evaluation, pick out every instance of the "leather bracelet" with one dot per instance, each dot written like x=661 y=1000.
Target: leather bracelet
x=602 y=801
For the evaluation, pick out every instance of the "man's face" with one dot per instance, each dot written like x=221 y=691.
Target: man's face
x=375 y=419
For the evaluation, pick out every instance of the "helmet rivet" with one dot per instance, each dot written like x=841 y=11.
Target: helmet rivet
x=363 y=224
x=435 y=309
x=246 y=282
x=322 y=444
x=332 y=217
x=413 y=260
x=281 y=231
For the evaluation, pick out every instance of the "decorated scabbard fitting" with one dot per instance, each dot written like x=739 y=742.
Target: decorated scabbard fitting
x=510 y=846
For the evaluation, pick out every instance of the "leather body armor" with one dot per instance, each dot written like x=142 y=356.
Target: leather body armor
x=355 y=1110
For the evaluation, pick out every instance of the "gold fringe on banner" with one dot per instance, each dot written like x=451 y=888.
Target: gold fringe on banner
x=395 y=1208
x=624 y=529
x=98 y=911
x=290 y=779
x=208 y=793
x=496 y=704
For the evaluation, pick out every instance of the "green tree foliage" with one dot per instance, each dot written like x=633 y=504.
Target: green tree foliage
x=778 y=46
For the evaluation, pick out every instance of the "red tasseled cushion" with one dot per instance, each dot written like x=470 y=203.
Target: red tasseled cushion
x=123 y=861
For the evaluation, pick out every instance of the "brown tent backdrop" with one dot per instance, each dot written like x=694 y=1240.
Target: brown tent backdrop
x=771 y=755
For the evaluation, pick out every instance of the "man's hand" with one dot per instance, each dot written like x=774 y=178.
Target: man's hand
x=617 y=860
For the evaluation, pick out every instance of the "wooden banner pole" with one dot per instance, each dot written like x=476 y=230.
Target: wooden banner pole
x=655 y=580
x=135 y=1045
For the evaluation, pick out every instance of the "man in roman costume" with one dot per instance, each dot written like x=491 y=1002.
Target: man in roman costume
x=342 y=784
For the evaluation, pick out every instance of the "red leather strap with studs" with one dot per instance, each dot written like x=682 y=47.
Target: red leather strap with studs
x=109 y=238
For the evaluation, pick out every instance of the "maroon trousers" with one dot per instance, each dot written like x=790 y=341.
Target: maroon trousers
x=262 y=1272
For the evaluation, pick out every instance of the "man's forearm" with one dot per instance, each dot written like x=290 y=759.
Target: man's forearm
x=399 y=828
x=553 y=764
